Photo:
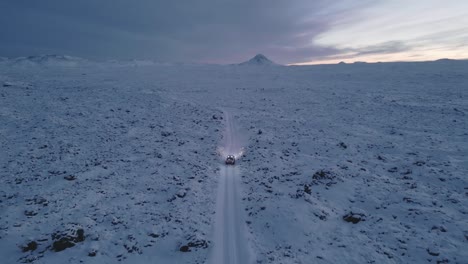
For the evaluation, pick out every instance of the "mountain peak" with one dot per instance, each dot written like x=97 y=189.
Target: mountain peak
x=259 y=59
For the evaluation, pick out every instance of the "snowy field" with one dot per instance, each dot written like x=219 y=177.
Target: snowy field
x=119 y=162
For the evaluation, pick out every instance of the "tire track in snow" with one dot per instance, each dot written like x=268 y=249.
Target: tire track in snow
x=230 y=238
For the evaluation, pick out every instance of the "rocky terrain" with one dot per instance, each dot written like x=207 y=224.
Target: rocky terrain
x=349 y=163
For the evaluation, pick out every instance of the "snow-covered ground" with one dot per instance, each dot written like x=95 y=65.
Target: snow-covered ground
x=353 y=163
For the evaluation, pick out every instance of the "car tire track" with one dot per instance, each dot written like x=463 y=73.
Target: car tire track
x=230 y=239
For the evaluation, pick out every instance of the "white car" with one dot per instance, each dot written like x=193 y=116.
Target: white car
x=230 y=160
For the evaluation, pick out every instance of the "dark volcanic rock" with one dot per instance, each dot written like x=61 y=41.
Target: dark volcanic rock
x=62 y=244
x=354 y=217
x=70 y=177
x=68 y=238
x=165 y=133
x=30 y=213
x=30 y=246
x=433 y=252
x=324 y=177
x=200 y=243
x=184 y=248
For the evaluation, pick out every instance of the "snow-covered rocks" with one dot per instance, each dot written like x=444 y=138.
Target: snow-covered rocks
x=67 y=238
x=382 y=142
x=354 y=217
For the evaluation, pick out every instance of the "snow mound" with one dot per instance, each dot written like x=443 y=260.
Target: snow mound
x=258 y=60
x=48 y=60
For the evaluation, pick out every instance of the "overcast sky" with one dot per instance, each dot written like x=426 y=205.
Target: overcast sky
x=228 y=31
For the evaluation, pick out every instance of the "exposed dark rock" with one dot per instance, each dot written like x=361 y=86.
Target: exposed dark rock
x=322 y=215
x=92 y=253
x=439 y=228
x=324 y=177
x=408 y=200
x=32 y=245
x=70 y=177
x=40 y=200
x=299 y=193
x=407 y=172
x=68 y=238
x=62 y=244
x=200 y=243
x=165 y=133
x=80 y=235
x=432 y=252
x=342 y=145
x=153 y=235
x=185 y=248
x=181 y=193
x=354 y=217
x=131 y=248
x=30 y=213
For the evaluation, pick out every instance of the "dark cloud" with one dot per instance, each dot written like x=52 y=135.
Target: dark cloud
x=382 y=48
x=390 y=47
x=220 y=31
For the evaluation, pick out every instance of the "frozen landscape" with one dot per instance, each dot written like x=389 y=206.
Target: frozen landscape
x=123 y=162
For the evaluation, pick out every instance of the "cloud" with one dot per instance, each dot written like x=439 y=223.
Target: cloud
x=227 y=31
x=386 y=48
x=382 y=48
x=204 y=31
x=399 y=30
x=433 y=46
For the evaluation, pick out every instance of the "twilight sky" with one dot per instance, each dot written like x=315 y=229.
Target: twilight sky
x=228 y=31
